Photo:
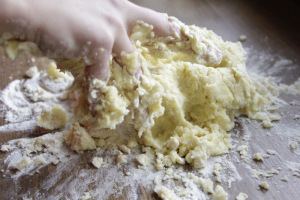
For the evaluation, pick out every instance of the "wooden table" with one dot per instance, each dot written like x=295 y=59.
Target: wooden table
x=272 y=29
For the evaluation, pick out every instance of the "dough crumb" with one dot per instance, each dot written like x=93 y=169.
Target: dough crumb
x=55 y=162
x=165 y=193
x=86 y=196
x=53 y=72
x=258 y=157
x=156 y=180
x=143 y=159
x=230 y=181
x=5 y=147
x=285 y=179
x=132 y=143
x=243 y=150
x=24 y=163
x=242 y=196
x=32 y=71
x=220 y=193
x=243 y=38
x=124 y=149
x=121 y=158
x=79 y=139
x=264 y=185
x=206 y=184
x=294 y=145
x=40 y=160
x=97 y=162
x=217 y=169
x=271 y=152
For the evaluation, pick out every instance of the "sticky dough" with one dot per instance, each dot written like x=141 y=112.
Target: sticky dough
x=180 y=93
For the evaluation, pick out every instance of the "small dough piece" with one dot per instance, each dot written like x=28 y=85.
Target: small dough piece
x=40 y=160
x=24 y=163
x=264 y=185
x=243 y=38
x=14 y=47
x=217 y=169
x=206 y=184
x=121 y=158
x=32 y=71
x=97 y=162
x=132 y=143
x=242 y=196
x=243 y=150
x=53 y=72
x=78 y=139
x=271 y=152
x=5 y=147
x=258 y=157
x=52 y=118
x=285 y=178
x=220 y=193
x=125 y=149
x=165 y=193
x=86 y=196
x=294 y=145
x=143 y=159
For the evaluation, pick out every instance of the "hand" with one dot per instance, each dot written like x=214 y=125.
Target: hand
x=89 y=30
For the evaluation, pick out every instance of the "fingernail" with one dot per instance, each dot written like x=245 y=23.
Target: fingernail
x=175 y=27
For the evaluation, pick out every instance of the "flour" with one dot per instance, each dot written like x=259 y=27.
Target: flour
x=24 y=100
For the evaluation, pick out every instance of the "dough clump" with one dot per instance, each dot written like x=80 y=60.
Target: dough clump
x=180 y=93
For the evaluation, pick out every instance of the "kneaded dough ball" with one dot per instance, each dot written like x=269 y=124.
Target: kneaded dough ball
x=181 y=94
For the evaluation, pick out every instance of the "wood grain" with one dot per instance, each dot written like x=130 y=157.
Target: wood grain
x=270 y=26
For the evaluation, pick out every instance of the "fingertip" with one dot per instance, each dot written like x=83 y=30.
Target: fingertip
x=163 y=25
x=174 y=26
x=97 y=71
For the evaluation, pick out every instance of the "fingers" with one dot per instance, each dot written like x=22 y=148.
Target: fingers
x=100 y=67
x=99 y=70
x=161 y=23
x=122 y=43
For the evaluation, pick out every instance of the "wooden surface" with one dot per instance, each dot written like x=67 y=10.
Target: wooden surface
x=270 y=26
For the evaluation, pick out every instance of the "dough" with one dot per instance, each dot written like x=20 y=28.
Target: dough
x=181 y=94
x=242 y=196
x=52 y=118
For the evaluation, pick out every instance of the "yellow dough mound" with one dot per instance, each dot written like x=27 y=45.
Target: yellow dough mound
x=180 y=93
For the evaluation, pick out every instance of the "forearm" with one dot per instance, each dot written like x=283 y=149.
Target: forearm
x=13 y=18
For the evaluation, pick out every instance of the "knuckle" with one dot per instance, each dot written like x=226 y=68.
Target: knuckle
x=104 y=40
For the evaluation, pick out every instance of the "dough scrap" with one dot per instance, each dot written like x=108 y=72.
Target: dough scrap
x=242 y=196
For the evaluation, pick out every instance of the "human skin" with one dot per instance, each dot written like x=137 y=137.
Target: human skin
x=88 y=30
